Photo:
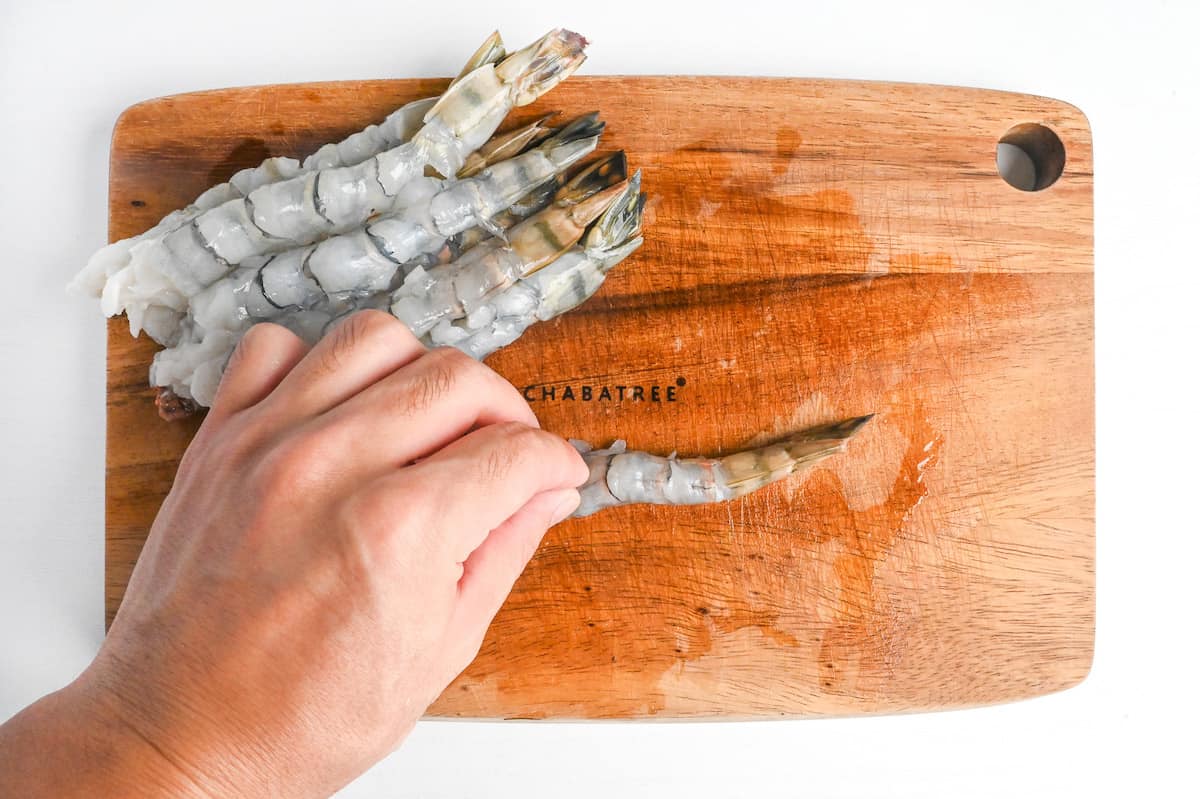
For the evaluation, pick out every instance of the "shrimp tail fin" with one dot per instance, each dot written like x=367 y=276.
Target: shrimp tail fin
x=581 y=127
x=621 y=222
x=575 y=140
x=503 y=146
x=752 y=469
x=538 y=68
x=595 y=177
x=490 y=52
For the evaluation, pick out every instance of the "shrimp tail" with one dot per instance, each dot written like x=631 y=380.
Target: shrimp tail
x=538 y=68
x=752 y=469
x=621 y=222
x=581 y=127
x=577 y=139
x=490 y=52
x=596 y=176
x=508 y=145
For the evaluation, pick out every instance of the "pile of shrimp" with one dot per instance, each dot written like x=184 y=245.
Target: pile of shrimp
x=467 y=235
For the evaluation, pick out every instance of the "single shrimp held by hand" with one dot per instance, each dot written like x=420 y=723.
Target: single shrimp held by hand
x=621 y=477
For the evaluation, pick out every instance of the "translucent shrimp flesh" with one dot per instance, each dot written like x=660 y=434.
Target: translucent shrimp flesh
x=187 y=373
x=371 y=259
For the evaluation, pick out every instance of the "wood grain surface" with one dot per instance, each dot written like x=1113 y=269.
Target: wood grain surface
x=814 y=250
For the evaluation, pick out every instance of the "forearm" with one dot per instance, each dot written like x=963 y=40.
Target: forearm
x=73 y=743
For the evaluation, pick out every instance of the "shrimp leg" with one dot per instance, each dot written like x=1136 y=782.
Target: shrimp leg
x=621 y=477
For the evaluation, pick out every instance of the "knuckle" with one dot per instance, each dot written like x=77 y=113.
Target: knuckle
x=356 y=331
x=485 y=383
x=267 y=334
x=436 y=377
x=512 y=441
x=452 y=360
x=497 y=464
x=291 y=466
x=262 y=337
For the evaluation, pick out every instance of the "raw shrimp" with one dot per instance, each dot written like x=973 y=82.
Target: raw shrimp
x=368 y=260
x=396 y=129
x=187 y=373
x=569 y=281
x=620 y=477
x=456 y=290
x=302 y=210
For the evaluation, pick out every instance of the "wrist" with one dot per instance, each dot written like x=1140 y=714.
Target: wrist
x=134 y=758
x=72 y=743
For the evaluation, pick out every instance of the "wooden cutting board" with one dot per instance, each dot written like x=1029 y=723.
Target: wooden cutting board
x=814 y=250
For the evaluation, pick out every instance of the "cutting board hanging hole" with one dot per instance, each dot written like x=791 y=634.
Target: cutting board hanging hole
x=1030 y=157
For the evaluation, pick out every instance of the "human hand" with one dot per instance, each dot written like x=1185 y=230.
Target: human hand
x=339 y=535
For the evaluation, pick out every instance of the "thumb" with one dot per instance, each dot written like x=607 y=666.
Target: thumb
x=491 y=570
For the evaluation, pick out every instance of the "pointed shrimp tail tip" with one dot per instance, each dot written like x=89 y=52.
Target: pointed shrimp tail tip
x=503 y=146
x=754 y=468
x=846 y=428
x=587 y=210
x=815 y=443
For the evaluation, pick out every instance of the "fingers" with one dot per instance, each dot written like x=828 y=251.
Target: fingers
x=424 y=406
x=264 y=356
x=483 y=478
x=361 y=350
x=491 y=570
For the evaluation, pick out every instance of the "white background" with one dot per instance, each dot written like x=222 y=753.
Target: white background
x=67 y=71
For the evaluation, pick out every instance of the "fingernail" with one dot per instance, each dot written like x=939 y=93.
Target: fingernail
x=566 y=505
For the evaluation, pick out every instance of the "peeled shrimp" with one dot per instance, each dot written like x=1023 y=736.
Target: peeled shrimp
x=621 y=477
x=368 y=260
x=304 y=209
